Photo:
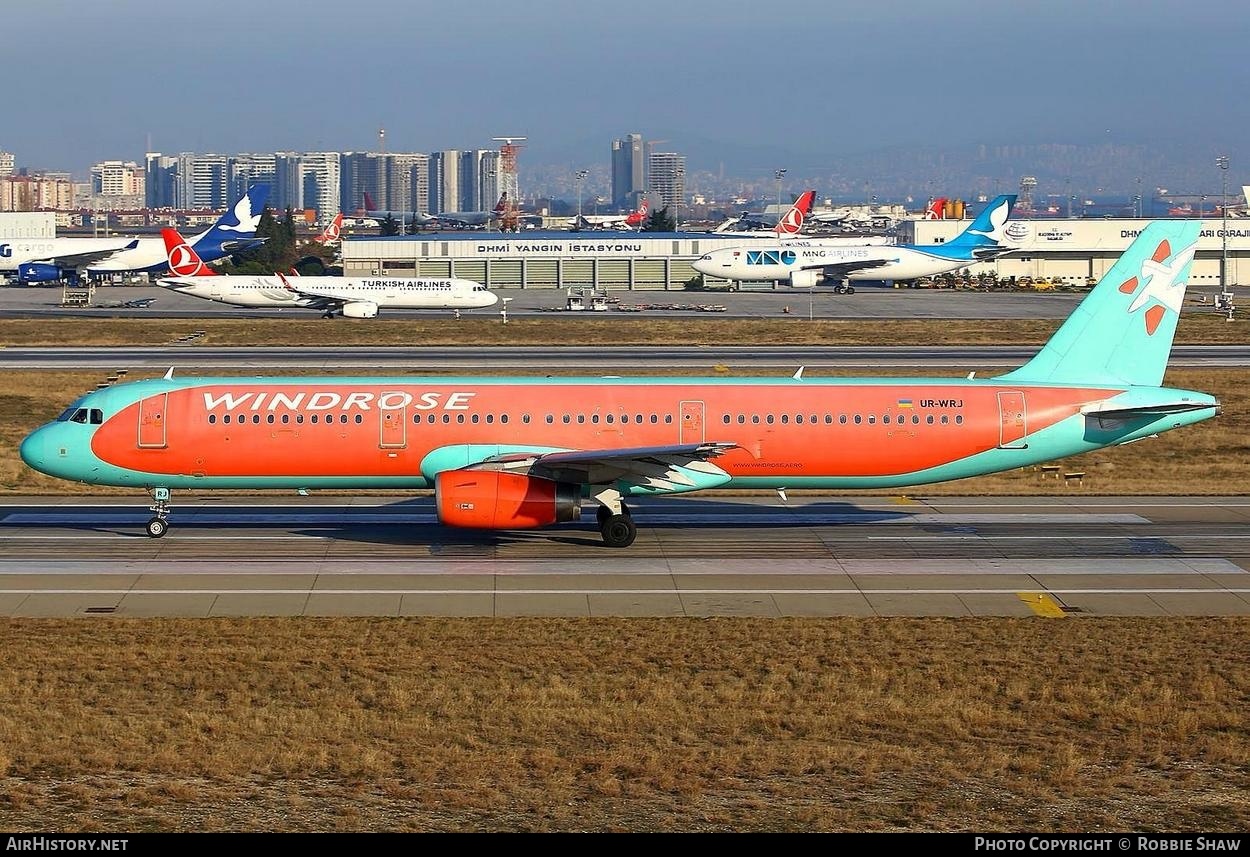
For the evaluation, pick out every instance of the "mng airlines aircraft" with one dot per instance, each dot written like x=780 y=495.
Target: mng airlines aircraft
x=806 y=262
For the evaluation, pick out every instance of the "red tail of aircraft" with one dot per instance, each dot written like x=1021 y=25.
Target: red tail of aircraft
x=332 y=231
x=638 y=217
x=182 y=259
x=936 y=209
x=791 y=223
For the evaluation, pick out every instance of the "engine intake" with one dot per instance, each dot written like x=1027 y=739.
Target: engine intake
x=495 y=500
x=805 y=279
x=360 y=309
x=43 y=272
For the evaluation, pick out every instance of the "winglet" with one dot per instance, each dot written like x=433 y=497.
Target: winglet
x=798 y=376
x=286 y=285
x=169 y=376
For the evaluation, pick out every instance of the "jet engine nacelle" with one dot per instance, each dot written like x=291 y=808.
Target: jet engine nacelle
x=494 y=500
x=360 y=309
x=43 y=272
x=805 y=279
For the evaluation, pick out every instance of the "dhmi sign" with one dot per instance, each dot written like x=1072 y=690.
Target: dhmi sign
x=558 y=248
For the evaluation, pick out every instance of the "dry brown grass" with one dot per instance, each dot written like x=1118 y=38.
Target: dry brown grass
x=792 y=724
x=1195 y=328
x=1210 y=458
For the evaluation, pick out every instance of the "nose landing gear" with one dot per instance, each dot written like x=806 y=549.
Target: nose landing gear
x=157 y=526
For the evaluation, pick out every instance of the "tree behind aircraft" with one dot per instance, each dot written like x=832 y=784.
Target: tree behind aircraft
x=660 y=221
x=276 y=254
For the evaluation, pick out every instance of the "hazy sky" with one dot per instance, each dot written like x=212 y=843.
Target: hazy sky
x=90 y=80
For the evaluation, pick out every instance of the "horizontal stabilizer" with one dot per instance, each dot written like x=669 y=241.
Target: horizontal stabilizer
x=1157 y=409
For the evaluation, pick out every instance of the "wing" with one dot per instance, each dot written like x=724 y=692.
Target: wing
x=838 y=270
x=315 y=300
x=240 y=245
x=661 y=469
x=86 y=260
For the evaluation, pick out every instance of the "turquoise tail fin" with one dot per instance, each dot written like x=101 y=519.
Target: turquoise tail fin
x=986 y=231
x=1122 y=332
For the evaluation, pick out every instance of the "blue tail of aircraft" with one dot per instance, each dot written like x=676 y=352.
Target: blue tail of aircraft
x=235 y=230
x=984 y=236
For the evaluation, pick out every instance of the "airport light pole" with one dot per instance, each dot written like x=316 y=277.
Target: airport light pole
x=578 y=179
x=1222 y=163
x=678 y=174
x=778 y=176
x=1139 y=197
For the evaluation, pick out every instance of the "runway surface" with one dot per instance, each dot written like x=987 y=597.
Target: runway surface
x=757 y=302
x=718 y=556
x=592 y=360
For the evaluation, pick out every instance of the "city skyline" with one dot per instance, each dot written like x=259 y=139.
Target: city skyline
x=848 y=81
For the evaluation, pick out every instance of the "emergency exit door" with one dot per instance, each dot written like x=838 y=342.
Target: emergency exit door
x=152 y=421
x=691 y=419
x=394 y=427
x=1012 y=420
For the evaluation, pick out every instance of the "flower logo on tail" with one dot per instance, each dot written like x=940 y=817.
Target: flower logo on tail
x=1158 y=284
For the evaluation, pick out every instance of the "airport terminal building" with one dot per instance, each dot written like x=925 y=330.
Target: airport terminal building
x=1075 y=249
x=540 y=259
x=1053 y=249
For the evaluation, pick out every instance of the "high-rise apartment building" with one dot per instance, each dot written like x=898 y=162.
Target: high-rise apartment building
x=629 y=176
x=445 y=181
x=249 y=169
x=117 y=178
x=160 y=180
x=668 y=178
x=201 y=181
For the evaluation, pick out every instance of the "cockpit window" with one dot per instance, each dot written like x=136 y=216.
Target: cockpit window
x=66 y=414
x=97 y=416
x=79 y=416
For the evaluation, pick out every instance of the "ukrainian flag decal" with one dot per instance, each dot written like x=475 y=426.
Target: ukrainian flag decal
x=904 y=403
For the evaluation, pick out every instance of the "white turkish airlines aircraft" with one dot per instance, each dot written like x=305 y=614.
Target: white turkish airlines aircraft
x=633 y=220
x=351 y=297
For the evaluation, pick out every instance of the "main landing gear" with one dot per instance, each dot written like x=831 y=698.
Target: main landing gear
x=157 y=527
x=616 y=524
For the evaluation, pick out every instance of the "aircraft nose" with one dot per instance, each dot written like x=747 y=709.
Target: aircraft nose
x=35 y=450
x=51 y=450
x=702 y=265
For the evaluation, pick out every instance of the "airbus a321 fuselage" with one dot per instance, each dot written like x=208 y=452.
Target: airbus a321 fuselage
x=352 y=297
x=511 y=453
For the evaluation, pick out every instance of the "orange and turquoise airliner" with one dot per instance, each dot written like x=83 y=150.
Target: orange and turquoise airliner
x=520 y=453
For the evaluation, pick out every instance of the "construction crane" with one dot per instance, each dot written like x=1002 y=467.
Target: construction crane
x=509 y=148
